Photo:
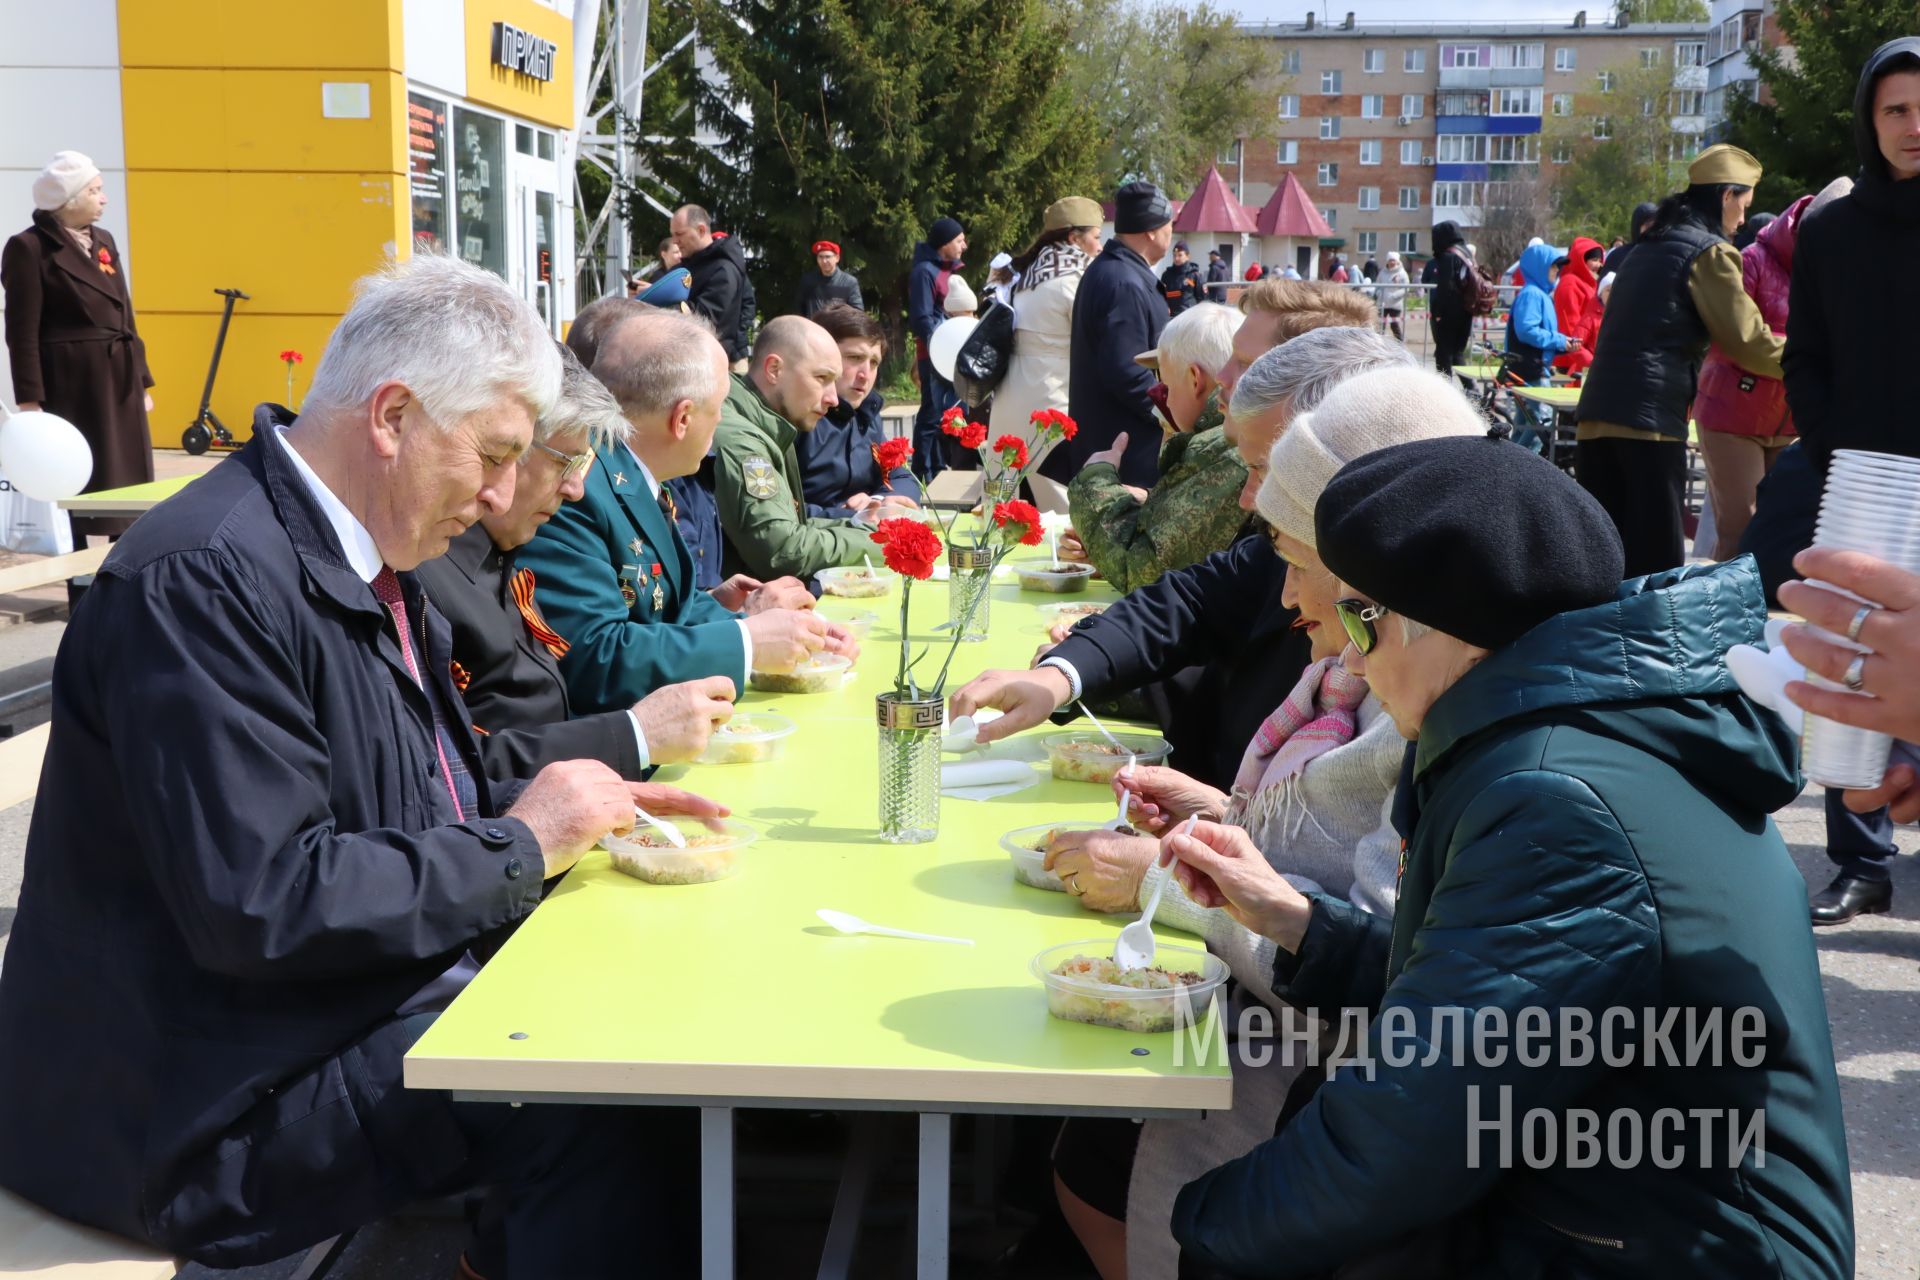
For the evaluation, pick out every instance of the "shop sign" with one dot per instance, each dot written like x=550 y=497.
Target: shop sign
x=523 y=52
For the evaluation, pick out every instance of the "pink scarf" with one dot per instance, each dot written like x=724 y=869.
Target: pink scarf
x=1319 y=715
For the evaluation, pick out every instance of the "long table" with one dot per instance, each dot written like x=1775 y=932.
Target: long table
x=128 y=500
x=733 y=994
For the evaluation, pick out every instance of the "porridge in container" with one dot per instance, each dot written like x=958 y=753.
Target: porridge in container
x=1085 y=984
x=856 y=582
x=711 y=854
x=751 y=737
x=1059 y=577
x=1089 y=757
x=822 y=673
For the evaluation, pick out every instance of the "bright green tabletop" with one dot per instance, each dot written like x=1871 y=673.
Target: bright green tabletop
x=1477 y=372
x=129 y=499
x=734 y=990
x=1557 y=397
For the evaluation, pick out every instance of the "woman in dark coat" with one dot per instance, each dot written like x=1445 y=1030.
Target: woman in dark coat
x=70 y=333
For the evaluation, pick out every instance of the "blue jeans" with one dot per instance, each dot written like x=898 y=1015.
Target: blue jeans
x=1534 y=427
x=929 y=446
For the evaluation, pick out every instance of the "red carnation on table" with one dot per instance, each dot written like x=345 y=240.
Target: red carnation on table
x=1020 y=519
x=1012 y=451
x=973 y=435
x=911 y=549
x=1045 y=420
x=890 y=456
x=949 y=419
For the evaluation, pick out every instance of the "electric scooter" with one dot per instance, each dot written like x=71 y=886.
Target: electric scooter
x=207 y=430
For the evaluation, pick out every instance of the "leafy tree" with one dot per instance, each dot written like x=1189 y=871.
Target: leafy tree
x=1638 y=12
x=1803 y=136
x=1641 y=157
x=862 y=121
x=1170 y=86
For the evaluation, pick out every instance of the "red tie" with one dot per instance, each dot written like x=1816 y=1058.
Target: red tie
x=387 y=587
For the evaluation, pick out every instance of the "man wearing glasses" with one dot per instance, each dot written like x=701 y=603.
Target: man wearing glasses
x=506 y=656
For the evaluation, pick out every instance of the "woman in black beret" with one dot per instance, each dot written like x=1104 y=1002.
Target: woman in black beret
x=1589 y=884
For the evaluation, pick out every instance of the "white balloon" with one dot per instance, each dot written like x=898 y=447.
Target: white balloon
x=44 y=456
x=944 y=349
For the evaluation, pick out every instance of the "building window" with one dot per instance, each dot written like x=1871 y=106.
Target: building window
x=1602 y=129
x=1329 y=82
x=1461 y=148
x=1329 y=174
x=1606 y=82
x=1230 y=154
x=1409 y=198
x=1409 y=242
x=1290 y=62
x=1690 y=53
x=1563 y=104
x=1514 y=149
x=1460 y=104
x=1410 y=151
x=427 y=170
x=1650 y=57
x=1683 y=147
x=1458 y=195
x=1373 y=60
x=1367 y=242
x=1287 y=152
x=1289 y=106
x=1333 y=218
x=1370 y=151
x=1565 y=59
x=1516 y=102
x=1562 y=152
x=1519 y=56
x=480 y=188
x=1687 y=102
x=1413 y=60
x=1329 y=128
x=1646 y=106
x=1460 y=55
x=1413 y=105
x=1373 y=106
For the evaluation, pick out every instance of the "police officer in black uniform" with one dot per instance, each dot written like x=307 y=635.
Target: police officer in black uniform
x=1181 y=282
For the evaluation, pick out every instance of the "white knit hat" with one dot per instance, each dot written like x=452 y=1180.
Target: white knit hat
x=65 y=177
x=960 y=299
x=1367 y=412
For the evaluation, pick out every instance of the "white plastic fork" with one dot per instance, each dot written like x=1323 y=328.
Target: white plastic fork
x=665 y=828
x=1135 y=947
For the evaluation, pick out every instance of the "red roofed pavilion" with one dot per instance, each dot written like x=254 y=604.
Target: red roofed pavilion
x=1212 y=208
x=1290 y=212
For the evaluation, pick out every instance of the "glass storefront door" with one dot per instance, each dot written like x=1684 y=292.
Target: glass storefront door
x=536 y=189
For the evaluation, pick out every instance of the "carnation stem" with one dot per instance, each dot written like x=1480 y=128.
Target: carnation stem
x=973 y=607
x=903 y=683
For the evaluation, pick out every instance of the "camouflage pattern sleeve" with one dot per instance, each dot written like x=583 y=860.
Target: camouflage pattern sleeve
x=1190 y=514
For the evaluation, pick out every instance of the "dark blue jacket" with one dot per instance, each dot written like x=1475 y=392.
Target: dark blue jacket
x=836 y=460
x=1586 y=831
x=1117 y=313
x=697 y=516
x=924 y=303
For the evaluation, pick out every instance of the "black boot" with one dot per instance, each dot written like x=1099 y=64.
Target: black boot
x=1849 y=896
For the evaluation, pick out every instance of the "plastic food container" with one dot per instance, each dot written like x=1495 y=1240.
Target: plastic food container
x=1052 y=613
x=749 y=738
x=1027 y=846
x=1089 y=757
x=820 y=674
x=1059 y=576
x=857 y=581
x=858 y=623
x=645 y=854
x=1083 y=984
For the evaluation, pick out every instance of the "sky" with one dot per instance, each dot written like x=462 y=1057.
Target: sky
x=1418 y=10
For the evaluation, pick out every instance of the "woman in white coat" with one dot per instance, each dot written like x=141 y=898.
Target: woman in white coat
x=1046 y=277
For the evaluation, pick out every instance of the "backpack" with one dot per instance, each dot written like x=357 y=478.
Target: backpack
x=1477 y=292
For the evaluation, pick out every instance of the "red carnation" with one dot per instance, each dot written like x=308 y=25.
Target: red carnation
x=1012 y=451
x=890 y=456
x=290 y=356
x=911 y=549
x=972 y=435
x=1019 y=516
x=1068 y=427
x=956 y=414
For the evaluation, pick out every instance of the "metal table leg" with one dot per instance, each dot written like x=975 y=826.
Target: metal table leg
x=716 y=1193
x=936 y=1153
x=870 y=1145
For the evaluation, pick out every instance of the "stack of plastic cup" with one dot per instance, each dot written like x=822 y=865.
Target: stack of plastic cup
x=1871 y=504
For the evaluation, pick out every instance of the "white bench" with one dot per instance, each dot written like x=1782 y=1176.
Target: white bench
x=47 y=570
x=20 y=760
x=36 y=1244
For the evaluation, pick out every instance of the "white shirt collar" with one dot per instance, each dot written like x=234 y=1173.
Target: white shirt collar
x=653 y=486
x=363 y=557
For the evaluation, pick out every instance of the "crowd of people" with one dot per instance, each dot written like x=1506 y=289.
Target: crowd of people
x=1458 y=757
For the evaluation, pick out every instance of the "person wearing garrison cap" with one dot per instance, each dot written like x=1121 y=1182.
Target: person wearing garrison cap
x=1584 y=811
x=1118 y=313
x=829 y=284
x=1682 y=289
x=935 y=260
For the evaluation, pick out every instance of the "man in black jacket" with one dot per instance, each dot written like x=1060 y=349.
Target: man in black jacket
x=840 y=472
x=264 y=854
x=1118 y=313
x=829 y=284
x=1848 y=351
x=1180 y=283
x=505 y=655
x=1449 y=313
x=719 y=278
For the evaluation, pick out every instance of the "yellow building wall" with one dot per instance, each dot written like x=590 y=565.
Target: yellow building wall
x=547 y=101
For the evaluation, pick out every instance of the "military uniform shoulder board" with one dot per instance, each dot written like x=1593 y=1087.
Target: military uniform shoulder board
x=760 y=478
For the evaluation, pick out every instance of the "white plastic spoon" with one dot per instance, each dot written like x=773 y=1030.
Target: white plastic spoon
x=844 y=923
x=1135 y=947
x=665 y=828
x=1120 y=819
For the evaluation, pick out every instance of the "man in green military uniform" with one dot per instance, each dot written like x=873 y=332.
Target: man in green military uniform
x=788 y=386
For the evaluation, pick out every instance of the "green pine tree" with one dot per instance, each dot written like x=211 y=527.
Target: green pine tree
x=1803 y=137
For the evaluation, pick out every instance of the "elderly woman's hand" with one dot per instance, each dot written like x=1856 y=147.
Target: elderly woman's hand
x=1892 y=674
x=1167 y=796
x=1220 y=866
x=1103 y=869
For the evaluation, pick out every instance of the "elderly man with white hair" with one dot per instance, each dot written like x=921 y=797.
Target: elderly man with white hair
x=1132 y=536
x=265 y=853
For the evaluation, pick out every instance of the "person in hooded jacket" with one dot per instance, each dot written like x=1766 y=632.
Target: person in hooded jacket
x=1682 y=289
x=1849 y=349
x=1576 y=303
x=1534 y=337
x=719 y=270
x=1586 y=845
x=935 y=259
x=1449 y=268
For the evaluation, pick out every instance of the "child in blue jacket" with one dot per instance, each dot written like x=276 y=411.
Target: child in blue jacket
x=1533 y=333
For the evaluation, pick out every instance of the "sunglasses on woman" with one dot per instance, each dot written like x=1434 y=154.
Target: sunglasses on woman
x=1358 y=617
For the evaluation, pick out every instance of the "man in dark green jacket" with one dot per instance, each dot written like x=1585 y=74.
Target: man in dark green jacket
x=757 y=477
x=1599 y=1041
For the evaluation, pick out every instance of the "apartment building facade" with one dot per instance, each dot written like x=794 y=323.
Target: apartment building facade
x=1736 y=27
x=1392 y=127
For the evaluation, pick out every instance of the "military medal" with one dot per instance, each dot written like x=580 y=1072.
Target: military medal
x=627 y=590
x=634 y=546
x=659 y=592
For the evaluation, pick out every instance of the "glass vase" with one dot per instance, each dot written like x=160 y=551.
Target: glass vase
x=969 y=591
x=1004 y=487
x=909 y=767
